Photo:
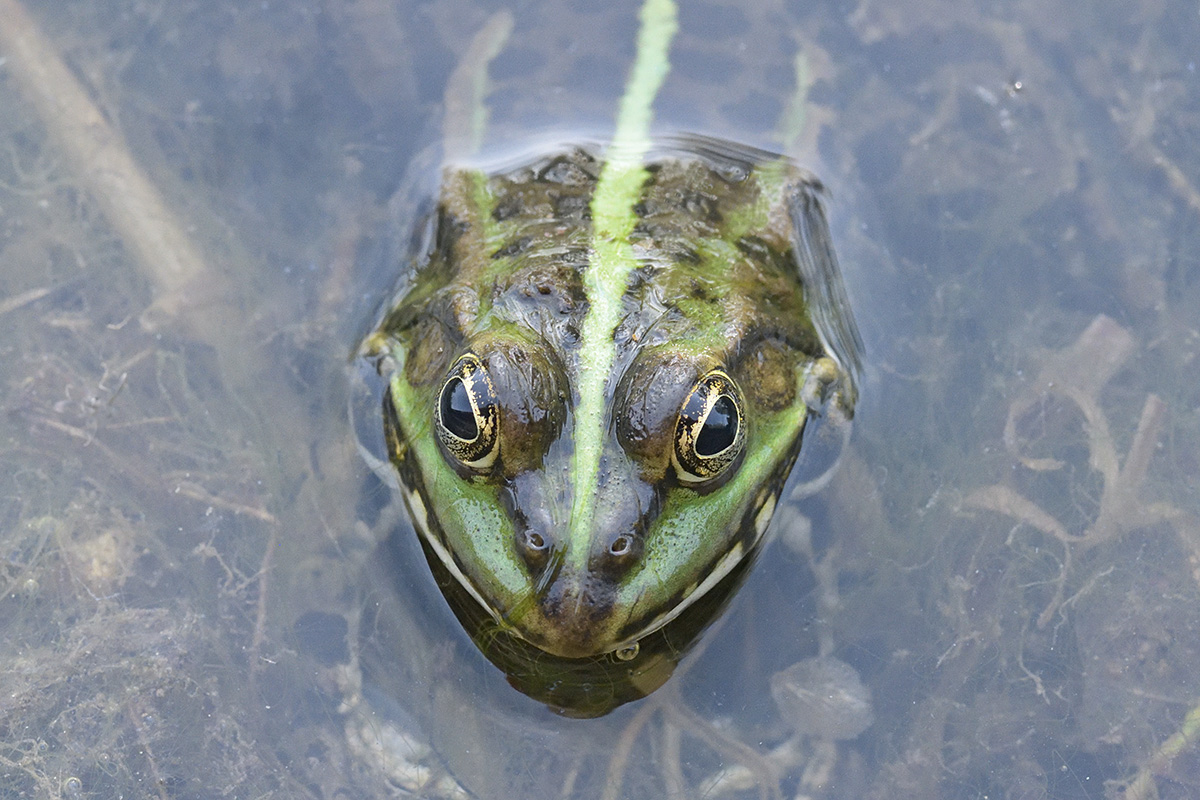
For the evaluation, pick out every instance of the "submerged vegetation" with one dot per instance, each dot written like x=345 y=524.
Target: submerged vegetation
x=1000 y=583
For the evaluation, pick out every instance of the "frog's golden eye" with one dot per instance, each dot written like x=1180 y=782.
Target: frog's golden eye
x=711 y=432
x=466 y=417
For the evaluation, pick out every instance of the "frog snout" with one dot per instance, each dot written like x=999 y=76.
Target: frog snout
x=573 y=616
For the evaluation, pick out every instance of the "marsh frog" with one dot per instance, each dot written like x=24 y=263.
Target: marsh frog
x=597 y=373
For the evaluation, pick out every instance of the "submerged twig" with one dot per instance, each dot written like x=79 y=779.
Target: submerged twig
x=758 y=767
x=260 y=614
x=101 y=162
x=182 y=488
x=1143 y=786
x=1078 y=373
x=23 y=299
x=1003 y=500
x=619 y=762
x=466 y=113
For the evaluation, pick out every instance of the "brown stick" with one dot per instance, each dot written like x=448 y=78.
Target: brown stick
x=101 y=163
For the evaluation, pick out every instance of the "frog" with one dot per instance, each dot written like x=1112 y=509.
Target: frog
x=597 y=373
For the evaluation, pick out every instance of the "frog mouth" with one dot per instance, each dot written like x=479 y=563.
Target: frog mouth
x=648 y=625
x=569 y=615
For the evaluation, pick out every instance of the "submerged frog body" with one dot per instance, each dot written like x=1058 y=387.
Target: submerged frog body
x=593 y=409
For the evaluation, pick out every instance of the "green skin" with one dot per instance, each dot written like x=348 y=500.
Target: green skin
x=711 y=280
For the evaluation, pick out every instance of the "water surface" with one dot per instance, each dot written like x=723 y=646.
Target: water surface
x=1007 y=557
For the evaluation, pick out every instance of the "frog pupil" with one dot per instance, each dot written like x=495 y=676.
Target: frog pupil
x=720 y=428
x=457 y=415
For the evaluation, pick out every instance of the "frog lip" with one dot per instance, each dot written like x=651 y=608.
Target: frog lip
x=572 y=618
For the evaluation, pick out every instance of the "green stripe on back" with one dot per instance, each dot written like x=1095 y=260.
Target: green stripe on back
x=612 y=258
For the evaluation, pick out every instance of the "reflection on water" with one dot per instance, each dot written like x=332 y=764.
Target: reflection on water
x=1006 y=557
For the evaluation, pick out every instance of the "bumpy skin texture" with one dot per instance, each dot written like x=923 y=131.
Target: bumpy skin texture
x=717 y=286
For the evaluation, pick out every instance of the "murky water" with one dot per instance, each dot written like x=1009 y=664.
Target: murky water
x=195 y=599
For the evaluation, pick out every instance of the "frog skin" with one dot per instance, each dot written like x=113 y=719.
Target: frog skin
x=598 y=376
x=702 y=408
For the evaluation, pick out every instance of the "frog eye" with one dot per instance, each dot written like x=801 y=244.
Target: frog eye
x=466 y=416
x=711 y=430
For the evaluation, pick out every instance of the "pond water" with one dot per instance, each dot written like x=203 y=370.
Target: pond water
x=208 y=593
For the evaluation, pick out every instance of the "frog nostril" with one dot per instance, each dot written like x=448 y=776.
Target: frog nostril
x=621 y=545
x=534 y=549
x=623 y=551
